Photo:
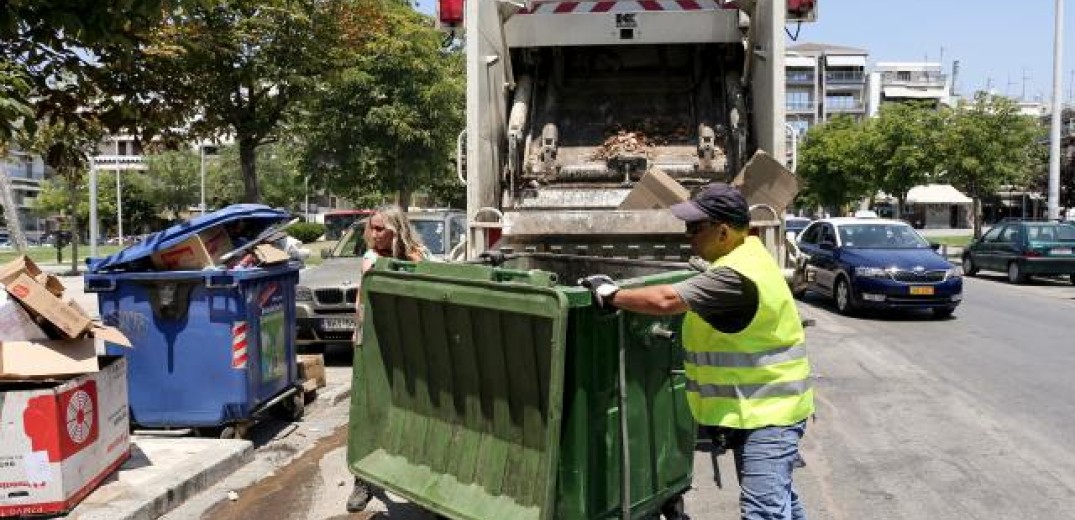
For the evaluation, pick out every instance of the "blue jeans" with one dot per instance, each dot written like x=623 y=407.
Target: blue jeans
x=764 y=459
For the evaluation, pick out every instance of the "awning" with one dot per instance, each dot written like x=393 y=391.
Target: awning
x=800 y=61
x=913 y=93
x=845 y=61
x=937 y=194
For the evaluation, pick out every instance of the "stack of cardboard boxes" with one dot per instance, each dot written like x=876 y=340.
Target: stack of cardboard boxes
x=63 y=409
x=207 y=249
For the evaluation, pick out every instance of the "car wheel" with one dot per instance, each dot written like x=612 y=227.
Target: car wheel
x=842 y=296
x=1015 y=273
x=941 y=313
x=969 y=268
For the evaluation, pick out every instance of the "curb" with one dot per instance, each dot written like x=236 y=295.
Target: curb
x=160 y=495
x=334 y=396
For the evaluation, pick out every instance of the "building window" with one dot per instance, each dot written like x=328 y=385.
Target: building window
x=844 y=102
x=798 y=100
x=800 y=76
x=903 y=75
x=121 y=147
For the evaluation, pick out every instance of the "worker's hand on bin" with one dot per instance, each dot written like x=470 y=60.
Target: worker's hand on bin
x=603 y=289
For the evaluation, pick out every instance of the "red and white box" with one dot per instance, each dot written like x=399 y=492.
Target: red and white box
x=61 y=439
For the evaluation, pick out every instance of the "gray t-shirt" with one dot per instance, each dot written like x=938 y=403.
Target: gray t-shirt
x=725 y=299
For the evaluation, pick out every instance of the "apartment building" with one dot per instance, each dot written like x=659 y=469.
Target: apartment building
x=901 y=82
x=823 y=81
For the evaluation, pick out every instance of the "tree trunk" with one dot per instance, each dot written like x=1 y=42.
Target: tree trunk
x=11 y=214
x=248 y=164
x=403 y=196
x=76 y=233
x=977 y=217
x=898 y=213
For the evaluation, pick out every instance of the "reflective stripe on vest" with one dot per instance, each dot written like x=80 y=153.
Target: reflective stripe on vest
x=791 y=388
x=745 y=359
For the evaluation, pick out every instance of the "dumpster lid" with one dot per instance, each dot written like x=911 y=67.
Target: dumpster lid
x=260 y=214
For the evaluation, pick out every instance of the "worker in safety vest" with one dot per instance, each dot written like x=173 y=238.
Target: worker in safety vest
x=748 y=379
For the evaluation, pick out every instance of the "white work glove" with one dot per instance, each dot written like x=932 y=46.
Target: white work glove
x=603 y=289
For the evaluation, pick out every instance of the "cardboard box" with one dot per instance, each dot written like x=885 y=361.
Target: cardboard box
x=195 y=253
x=16 y=324
x=20 y=265
x=50 y=282
x=44 y=358
x=656 y=190
x=312 y=368
x=61 y=439
x=765 y=180
x=68 y=321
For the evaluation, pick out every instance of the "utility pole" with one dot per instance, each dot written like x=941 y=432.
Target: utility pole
x=93 y=209
x=1058 y=109
x=201 y=155
x=1025 y=78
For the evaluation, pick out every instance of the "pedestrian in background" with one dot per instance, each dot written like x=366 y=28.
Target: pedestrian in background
x=748 y=379
x=387 y=233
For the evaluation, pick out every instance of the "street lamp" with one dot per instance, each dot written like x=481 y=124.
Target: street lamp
x=93 y=209
x=1058 y=110
x=201 y=156
x=119 y=208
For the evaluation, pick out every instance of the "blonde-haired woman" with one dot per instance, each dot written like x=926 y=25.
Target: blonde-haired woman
x=388 y=233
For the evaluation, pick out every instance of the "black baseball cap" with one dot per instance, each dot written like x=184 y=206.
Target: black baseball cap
x=719 y=202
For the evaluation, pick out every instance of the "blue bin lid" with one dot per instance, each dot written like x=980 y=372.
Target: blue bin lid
x=161 y=240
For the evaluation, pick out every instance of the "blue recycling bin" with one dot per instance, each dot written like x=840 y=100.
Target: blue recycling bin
x=210 y=348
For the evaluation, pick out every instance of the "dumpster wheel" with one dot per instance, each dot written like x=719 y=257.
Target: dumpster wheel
x=234 y=431
x=293 y=407
x=674 y=509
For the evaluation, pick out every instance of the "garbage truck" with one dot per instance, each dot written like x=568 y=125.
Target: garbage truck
x=571 y=103
x=498 y=389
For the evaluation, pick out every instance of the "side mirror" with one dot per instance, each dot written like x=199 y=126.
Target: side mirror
x=325 y=253
x=828 y=245
x=934 y=246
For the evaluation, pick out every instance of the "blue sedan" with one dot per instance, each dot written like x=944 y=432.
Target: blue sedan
x=876 y=263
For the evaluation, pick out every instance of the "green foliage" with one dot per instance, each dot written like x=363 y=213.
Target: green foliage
x=901 y=148
x=387 y=123
x=833 y=163
x=986 y=144
x=306 y=232
x=173 y=181
x=280 y=179
x=230 y=66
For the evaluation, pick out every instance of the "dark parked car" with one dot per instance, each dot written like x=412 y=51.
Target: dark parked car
x=876 y=263
x=794 y=225
x=1022 y=249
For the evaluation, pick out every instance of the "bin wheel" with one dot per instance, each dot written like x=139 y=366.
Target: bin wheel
x=292 y=408
x=674 y=509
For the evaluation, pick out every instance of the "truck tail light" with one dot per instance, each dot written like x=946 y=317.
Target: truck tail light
x=802 y=10
x=450 y=12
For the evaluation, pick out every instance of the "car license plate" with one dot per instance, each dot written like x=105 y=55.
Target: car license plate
x=922 y=291
x=1060 y=251
x=338 y=324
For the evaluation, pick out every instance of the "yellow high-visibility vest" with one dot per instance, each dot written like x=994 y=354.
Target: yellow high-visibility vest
x=756 y=377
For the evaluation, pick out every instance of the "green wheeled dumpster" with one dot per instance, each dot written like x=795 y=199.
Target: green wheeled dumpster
x=489 y=393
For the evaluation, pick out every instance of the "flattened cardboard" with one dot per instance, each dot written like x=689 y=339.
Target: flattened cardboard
x=188 y=255
x=269 y=255
x=69 y=321
x=47 y=358
x=217 y=243
x=765 y=181
x=656 y=190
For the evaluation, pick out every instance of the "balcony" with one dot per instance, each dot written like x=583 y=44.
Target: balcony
x=796 y=77
x=800 y=107
x=120 y=162
x=845 y=77
x=854 y=108
x=914 y=79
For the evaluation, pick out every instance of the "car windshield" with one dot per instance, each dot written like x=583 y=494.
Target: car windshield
x=881 y=236
x=1051 y=233
x=351 y=244
x=432 y=233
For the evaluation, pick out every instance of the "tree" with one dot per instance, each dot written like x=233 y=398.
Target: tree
x=901 y=148
x=833 y=163
x=171 y=175
x=281 y=180
x=987 y=144
x=234 y=67
x=388 y=123
x=66 y=144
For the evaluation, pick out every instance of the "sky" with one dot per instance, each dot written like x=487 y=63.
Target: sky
x=997 y=42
